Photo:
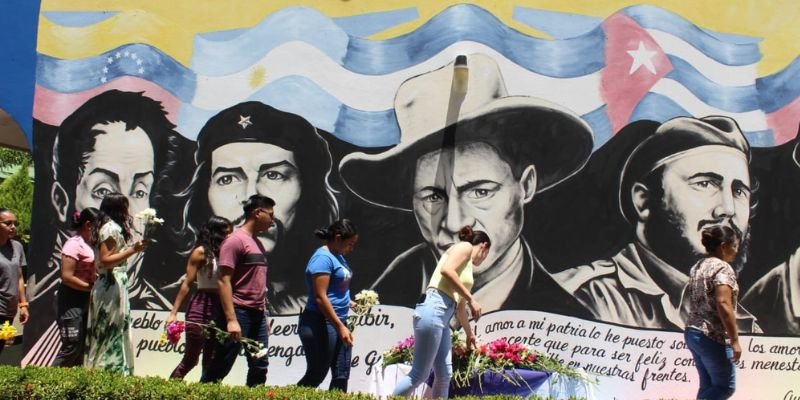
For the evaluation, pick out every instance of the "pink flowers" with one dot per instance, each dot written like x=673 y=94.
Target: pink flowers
x=498 y=356
x=502 y=354
x=174 y=331
x=400 y=352
x=406 y=343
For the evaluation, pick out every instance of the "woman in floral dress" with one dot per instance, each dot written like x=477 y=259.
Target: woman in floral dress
x=108 y=334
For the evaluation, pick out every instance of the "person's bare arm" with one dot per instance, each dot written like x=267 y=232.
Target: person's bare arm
x=110 y=258
x=23 y=303
x=319 y=283
x=723 y=295
x=463 y=319
x=458 y=255
x=68 y=278
x=226 y=299
x=196 y=260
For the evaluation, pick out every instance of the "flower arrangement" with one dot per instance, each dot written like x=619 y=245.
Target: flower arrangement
x=498 y=356
x=401 y=353
x=172 y=334
x=150 y=222
x=173 y=331
x=364 y=301
x=7 y=331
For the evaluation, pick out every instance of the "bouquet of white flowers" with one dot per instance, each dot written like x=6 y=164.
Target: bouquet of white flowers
x=149 y=221
x=364 y=301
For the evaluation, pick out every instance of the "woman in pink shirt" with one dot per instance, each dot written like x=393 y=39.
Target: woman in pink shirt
x=77 y=277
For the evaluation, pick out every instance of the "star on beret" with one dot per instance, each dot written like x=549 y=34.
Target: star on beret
x=244 y=121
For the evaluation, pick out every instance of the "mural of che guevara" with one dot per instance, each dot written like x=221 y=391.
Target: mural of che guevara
x=252 y=148
x=471 y=158
x=687 y=175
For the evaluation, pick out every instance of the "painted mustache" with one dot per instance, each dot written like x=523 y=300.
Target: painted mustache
x=729 y=222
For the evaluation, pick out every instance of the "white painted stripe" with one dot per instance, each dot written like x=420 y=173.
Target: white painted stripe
x=748 y=121
x=725 y=75
x=44 y=348
x=376 y=92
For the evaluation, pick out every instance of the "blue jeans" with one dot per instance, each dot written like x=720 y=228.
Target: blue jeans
x=254 y=326
x=714 y=365
x=324 y=351
x=432 y=346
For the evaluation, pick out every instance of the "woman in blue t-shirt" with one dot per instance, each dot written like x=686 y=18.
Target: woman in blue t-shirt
x=327 y=341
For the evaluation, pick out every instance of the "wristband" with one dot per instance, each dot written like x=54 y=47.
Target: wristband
x=23 y=304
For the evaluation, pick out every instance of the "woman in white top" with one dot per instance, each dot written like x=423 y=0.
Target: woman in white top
x=448 y=293
x=204 y=306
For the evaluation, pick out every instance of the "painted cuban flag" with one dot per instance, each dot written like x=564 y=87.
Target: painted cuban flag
x=659 y=66
x=780 y=99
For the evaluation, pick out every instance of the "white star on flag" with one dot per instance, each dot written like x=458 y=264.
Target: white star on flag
x=105 y=70
x=642 y=57
x=244 y=122
x=103 y=79
x=118 y=55
x=110 y=60
x=141 y=70
x=127 y=53
x=138 y=62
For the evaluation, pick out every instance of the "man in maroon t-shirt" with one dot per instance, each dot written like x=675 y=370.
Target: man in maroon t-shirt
x=242 y=290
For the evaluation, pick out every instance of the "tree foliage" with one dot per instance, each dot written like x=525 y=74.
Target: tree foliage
x=11 y=158
x=16 y=193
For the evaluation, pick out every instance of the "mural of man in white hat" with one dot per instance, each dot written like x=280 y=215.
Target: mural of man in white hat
x=475 y=157
x=688 y=175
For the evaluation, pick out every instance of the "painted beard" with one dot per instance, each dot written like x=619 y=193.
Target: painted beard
x=666 y=239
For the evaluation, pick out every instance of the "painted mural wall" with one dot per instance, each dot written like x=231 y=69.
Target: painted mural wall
x=592 y=146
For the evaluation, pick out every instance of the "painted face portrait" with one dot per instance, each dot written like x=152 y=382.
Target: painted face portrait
x=239 y=170
x=471 y=186
x=116 y=142
x=699 y=190
x=123 y=162
x=707 y=190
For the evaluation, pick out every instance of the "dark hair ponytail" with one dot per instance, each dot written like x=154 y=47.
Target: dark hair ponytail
x=343 y=227
x=715 y=236
x=466 y=234
x=79 y=218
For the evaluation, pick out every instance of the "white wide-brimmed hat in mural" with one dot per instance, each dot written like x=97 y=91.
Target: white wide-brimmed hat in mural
x=524 y=130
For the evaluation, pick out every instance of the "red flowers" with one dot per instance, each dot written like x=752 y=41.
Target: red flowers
x=502 y=354
x=496 y=356
x=174 y=331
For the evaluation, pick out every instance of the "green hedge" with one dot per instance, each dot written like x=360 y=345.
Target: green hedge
x=78 y=383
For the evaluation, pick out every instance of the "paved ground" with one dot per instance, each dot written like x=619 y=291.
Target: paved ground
x=12 y=354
